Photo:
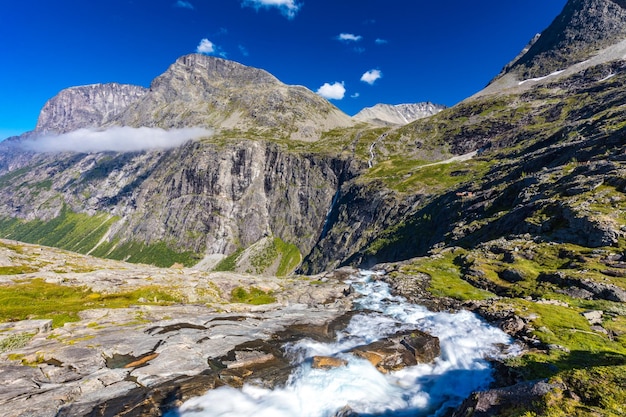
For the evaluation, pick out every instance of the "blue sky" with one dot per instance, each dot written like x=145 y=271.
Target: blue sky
x=378 y=51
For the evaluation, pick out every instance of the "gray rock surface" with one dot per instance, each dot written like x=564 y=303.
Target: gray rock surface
x=113 y=354
x=493 y=402
x=88 y=106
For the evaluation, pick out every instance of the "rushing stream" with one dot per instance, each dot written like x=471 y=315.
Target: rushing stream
x=422 y=390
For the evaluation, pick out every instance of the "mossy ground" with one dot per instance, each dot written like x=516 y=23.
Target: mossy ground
x=37 y=299
x=274 y=254
x=589 y=362
x=253 y=295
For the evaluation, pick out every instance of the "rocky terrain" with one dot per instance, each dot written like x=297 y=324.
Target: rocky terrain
x=511 y=203
x=122 y=333
x=85 y=107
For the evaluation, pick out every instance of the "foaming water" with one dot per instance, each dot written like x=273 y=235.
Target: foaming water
x=422 y=390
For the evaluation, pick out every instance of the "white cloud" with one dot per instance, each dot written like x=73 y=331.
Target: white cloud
x=243 y=50
x=355 y=95
x=335 y=91
x=381 y=41
x=349 y=37
x=184 y=5
x=206 y=47
x=116 y=139
x=289 y=8
x=371 y=76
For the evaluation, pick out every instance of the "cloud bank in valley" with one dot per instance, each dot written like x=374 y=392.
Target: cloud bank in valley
x=115 y=139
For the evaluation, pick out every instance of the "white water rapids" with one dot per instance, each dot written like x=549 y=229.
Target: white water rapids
x=422 y=390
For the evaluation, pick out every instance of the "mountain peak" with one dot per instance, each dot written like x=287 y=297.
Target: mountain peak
x=221 y=69
x=400 y=114
x=583 y=28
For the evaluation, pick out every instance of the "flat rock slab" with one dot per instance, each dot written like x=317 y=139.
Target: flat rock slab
x=74 y=369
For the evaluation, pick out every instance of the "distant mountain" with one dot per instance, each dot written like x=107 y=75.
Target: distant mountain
x=400 y=114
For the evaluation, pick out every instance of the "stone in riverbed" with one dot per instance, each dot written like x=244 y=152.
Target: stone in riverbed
x=326 y=362
x=403 y=349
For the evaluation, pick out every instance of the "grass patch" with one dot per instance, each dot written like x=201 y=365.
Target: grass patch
x=76 y=232
x=290 y=257
x=446 y=278
x=38 y=299
x=254 y=296
x=406 y=175
x=16 y=270
x=159 y=254
x=229 y=263
x=15 y=341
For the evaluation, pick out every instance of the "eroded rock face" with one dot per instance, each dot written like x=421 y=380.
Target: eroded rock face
x=88 y=106
x=80 y=369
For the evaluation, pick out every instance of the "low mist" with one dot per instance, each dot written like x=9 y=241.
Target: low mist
x=116 y=139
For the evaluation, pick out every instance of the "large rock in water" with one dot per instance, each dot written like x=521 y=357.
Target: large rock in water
x=407 y=348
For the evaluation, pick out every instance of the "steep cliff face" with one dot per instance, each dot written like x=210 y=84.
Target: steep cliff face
x=221 y=200
x=199 y=198
x=198 y=90
x=86 y=107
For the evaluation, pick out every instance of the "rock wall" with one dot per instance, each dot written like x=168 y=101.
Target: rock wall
x=86 y=107
x=204 y=198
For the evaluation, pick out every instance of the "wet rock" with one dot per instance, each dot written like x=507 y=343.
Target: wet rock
x=326 y=362
x=512 y=325
x=404 y=349
x=346 y=412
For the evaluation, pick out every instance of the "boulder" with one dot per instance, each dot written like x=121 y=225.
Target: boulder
x=593 y=317
x=327 y=362
x=403 y=349
x=493 y=402
x=512 y=275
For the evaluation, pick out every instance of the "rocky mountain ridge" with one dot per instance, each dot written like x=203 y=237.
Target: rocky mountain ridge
x=582 y=29
x=87 y=106
x=202 y=91
x=399 y=114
